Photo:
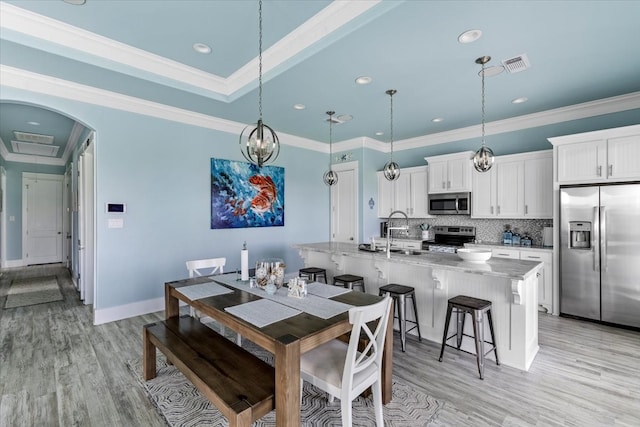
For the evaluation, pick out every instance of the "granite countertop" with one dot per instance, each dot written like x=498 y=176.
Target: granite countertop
x=499 y=267
x=503 y=246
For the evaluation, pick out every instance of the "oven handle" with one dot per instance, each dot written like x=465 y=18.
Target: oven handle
x=457 y=210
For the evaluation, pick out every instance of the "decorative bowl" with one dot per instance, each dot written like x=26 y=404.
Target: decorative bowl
x=474 y=255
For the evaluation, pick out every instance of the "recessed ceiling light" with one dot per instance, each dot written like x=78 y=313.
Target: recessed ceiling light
x=299 y=106
x=344 y=117
x=492 y=71
x=201 y=48
x=437 y=120
x=379 y=133
x=364 y=80
x=76 y=2
x=469 y=36
x=520 y=100
x=33 y=123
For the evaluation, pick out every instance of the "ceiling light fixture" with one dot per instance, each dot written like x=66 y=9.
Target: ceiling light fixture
x=201 y=48
x=262 y=144
x=469 y=36
x=364 y=80
x=391 y=169
x=330 y=177
x=520 y=100
x=437 y=120
x=299 y=106
x=483 y=159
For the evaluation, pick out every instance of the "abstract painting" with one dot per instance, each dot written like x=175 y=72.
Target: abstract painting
x=244 y=195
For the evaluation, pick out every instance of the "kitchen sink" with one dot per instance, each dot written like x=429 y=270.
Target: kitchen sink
x=406 y=251
x=367 y=248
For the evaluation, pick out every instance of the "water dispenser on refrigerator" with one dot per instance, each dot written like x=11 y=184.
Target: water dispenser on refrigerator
x=579 y=235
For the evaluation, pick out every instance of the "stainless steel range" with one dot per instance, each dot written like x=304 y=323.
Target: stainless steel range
x=449 y=238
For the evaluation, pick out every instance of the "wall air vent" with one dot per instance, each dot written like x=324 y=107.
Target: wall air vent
x=33 y=137
x=516 y=64
x=22 y=147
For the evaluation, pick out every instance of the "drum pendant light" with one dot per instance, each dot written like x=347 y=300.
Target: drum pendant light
x=330 y=177
x=391 y=169
x=483 y=159
x=260 y=145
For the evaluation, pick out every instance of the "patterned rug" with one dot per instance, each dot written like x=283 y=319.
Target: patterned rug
x=181 y=404
x=34 y=290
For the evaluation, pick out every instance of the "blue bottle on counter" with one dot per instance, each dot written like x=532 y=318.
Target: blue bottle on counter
x=515 y=238
x=507 y=235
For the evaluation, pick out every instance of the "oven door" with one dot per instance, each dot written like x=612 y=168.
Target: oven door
x=450 y=204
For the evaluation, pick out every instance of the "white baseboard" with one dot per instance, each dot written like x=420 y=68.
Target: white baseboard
x=111 y=314
x=13 y=263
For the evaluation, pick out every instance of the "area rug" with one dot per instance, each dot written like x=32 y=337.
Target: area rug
x=31 y=291
x=181 y=404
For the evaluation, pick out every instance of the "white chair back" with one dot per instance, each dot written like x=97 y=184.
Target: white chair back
x=215 y=264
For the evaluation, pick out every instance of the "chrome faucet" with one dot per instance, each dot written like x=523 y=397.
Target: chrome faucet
x=404 y=227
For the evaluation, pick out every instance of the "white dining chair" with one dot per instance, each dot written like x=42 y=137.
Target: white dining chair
x=344 y=372
x=208 y=267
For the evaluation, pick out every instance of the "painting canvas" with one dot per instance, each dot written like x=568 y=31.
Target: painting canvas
x=244 y=195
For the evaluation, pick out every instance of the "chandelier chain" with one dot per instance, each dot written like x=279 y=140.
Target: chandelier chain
x=391 y=130
x=483 y=116
x=260 y=59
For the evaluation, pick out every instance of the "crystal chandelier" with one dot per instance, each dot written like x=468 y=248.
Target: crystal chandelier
x=261 y=144
x=391 y=169
x=483 y=159
x=330 y=177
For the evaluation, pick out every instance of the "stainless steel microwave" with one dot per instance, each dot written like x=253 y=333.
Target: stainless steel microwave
x=450 y=204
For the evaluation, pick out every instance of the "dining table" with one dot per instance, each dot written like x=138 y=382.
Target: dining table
x=284 y=325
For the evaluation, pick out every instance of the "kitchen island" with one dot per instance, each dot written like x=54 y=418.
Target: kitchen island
x=511 y=286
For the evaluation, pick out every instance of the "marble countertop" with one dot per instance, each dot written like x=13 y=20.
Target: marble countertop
x=497 y=267
x=503 y=246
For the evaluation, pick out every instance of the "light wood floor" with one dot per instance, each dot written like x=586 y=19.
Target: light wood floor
x=57 y=369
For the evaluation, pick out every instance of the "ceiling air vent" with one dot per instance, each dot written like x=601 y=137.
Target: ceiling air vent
x=22 y=147
x=33 y=137
x=516 y=64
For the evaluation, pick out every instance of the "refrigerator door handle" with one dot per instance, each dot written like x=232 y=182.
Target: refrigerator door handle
x=595 y=239
x=603 y=236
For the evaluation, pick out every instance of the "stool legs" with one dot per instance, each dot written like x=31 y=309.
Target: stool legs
x=446 y=329
x=415 y=312
x=478 y=332
x=493 y=336
x=402 y=314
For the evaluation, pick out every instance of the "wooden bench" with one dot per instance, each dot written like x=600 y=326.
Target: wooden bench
x=238 y=383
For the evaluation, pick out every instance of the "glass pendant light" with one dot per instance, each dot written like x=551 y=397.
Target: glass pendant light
x=260 y=145
x=391 y=169
x=483 y=159
x=330 y=177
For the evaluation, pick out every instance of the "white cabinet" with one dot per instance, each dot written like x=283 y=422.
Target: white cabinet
x=545 y=279
x=450 y=173
x=408 y=193
x=505 y=253
x=600 y=156
x=517 y=186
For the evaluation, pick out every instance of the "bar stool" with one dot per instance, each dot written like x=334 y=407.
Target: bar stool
x=477 y=308
x=400 y=293
x=312 y=274
x=349 y=281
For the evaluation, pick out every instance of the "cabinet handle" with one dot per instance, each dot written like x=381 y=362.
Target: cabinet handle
x=448 y=184
x=533 y=257
x=599 y=170
x=491 y=210
x=498 y=209
x=526 y=209
x=610 y=170
x=444 y=185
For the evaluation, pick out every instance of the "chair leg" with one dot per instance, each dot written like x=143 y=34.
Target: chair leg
x=460 y=317
x=415 y=313
x=377 y=403
x=446 y=330
x=345 y=407
x=239 y=340
x=493 y=336
x=478 y=332
x=402 y=313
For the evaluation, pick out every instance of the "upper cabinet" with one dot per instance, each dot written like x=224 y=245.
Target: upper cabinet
x=450 y=173
x=602 y=156
x=408 y=193
x=517 y=186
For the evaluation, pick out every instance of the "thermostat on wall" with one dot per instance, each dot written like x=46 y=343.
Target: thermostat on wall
x=116 y=207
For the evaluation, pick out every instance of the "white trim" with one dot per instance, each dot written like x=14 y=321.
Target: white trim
x=14 y=263
x=598 y=134
x=74 y=136
x=111 y=314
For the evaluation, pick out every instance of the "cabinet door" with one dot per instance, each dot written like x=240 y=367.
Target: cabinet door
x=438 y=177
x=419 y=199
x=582 y=161
x=483 y=196
x=458 y=175
x=403 y=193
x=505 y=253
x=510 y=189
x=545 y=279
x=538 y=188
x=386 y=195
x=622 y=157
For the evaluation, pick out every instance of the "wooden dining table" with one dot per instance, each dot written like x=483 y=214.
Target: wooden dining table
x=287 y=339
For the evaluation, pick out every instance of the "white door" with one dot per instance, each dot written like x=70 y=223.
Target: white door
x=3 y=223
x=344 y=203
x=66 y=217
x=41 y=218
x=86 y=225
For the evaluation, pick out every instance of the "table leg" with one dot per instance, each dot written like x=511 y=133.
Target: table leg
x=287 y=364
x=387 y=360
x=171 y=307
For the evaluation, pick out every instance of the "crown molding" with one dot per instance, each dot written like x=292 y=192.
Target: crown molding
x=38 y=160
x=3 y=150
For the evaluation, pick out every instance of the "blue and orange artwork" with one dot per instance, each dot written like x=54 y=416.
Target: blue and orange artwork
x=244 y=195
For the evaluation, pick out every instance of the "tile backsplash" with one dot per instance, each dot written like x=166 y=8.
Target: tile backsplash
x=487 y=230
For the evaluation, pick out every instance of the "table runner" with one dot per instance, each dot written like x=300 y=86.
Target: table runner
x=312 y=304
x=203 y=290
x=262 y=312
x=326 y=291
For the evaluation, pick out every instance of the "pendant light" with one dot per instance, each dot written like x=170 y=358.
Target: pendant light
x=261 y=144
x=483 y=159
x=391 y=169
x=330 y=177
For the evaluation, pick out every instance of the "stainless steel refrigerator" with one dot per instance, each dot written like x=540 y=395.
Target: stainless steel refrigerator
x=600 y=253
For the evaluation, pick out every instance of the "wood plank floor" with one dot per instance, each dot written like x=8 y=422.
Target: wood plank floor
x=57 y=369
